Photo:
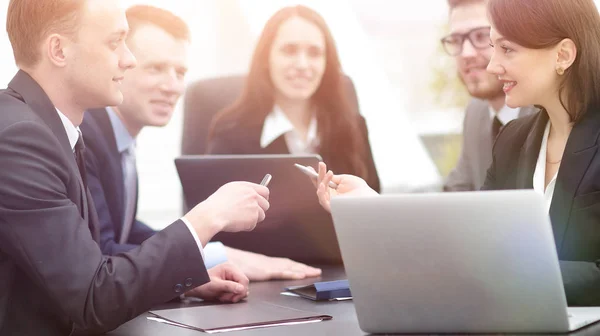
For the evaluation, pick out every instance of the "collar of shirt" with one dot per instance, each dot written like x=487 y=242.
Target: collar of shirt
x=539 y=175
x=505 y=115
x=72 y=131
x=122 y=136
x=277 y=124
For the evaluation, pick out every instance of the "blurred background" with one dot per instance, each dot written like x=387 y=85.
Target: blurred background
x=407 y=86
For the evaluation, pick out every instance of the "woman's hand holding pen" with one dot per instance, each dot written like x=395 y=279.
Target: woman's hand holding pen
x=346 y=185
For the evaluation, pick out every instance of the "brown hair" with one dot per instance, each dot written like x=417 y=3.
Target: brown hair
x=539 y=24
x=28 y=22
x=143 y=14
x=452 y=4
x=338 y=123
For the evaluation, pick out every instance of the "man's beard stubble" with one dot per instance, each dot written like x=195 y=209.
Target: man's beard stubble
x=479 y=90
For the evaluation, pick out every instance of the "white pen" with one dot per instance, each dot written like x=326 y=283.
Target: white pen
x=311 y=173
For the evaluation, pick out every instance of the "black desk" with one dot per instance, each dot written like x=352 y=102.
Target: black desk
x=344 y=317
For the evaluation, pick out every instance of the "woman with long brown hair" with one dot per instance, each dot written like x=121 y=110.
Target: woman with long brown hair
x=296 y=100
x=547 y=53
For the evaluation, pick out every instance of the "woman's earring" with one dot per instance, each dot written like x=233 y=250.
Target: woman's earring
x=560 y=71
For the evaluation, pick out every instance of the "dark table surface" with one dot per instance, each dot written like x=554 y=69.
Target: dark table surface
x=344 y=320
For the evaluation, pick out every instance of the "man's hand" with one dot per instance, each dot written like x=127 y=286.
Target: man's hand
x=236 y=206
x=259 y=267
x=227 y=284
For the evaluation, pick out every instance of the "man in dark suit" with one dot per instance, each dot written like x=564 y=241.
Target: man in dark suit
x=468 y=42
x=159 y=41
x=54 y=279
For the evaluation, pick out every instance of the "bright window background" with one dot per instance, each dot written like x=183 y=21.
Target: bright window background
x=388 y=47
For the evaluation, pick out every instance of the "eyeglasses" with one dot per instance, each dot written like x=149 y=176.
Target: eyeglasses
x=479 y=38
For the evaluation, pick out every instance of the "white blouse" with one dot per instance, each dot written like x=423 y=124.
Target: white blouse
x=539 y=175
x=277 y=124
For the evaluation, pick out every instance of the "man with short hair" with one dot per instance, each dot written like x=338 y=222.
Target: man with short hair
x=159 y=40
x=469 y=43
x=54 y=279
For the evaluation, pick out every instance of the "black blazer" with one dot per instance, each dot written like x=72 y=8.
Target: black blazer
x=54 y=279
x=245 y=139
x=575 y=207
x=104 y=178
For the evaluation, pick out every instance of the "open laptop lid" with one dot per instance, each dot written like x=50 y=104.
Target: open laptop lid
x=467 y=262
x=296 y=226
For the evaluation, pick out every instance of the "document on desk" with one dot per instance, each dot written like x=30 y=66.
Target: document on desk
x=233 y=317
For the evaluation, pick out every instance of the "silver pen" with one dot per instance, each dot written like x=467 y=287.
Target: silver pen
x=312 y=174
x=265 y=181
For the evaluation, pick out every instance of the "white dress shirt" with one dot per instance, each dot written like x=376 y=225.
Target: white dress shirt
x=505 y=115
x=539 y=175
x=72 y=131
x=277 y=124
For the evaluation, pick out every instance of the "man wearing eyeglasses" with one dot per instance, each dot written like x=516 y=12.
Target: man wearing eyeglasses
x=469 y=43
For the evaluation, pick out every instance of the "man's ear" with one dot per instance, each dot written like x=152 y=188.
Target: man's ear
x=57 y=49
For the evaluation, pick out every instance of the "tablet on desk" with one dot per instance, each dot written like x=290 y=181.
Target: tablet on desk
x=338 y=290
x=296 y=225
x=235 y=317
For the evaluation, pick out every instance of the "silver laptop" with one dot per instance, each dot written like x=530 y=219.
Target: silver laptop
x=471 y=262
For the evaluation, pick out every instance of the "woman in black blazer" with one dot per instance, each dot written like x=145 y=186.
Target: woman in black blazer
x=296 y=100
x=547 y=53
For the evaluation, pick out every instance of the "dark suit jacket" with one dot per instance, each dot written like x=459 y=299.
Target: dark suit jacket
x=476 y=153
x=575 y=207
x=54 y=279
x=105 y=176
